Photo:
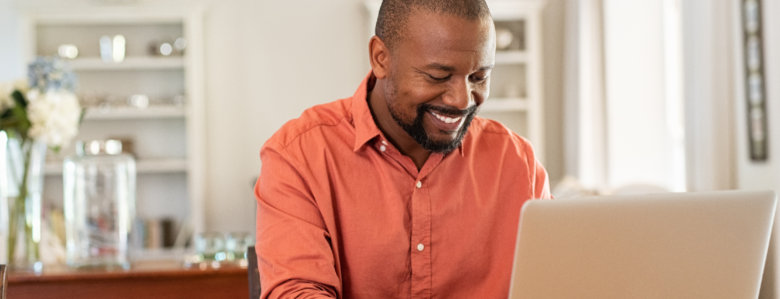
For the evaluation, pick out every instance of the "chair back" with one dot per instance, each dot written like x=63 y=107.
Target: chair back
x=254 y=274
x=3 y=276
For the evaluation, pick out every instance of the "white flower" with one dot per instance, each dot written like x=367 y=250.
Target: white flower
x=54 y=116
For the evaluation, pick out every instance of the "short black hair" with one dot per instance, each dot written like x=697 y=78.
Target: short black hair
x=394 y=15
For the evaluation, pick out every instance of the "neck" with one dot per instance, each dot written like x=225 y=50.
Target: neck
x=392 y=130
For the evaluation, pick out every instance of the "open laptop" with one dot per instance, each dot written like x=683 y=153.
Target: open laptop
x=675 y=245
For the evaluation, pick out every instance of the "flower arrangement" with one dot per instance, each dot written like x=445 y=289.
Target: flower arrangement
x=46 y=109
x=38 y=113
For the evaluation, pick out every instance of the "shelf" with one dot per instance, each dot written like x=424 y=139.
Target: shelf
x=511 y=57
x=129 y=63
x=135 y=113
x=144 y=166
x=163 y=129
x=512 y=10
x=147 y=254
x=504 y=105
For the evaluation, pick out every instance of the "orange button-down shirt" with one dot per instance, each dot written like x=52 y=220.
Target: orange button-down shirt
x=341 y=213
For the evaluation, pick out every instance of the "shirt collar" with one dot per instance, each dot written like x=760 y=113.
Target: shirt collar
x=365 y=127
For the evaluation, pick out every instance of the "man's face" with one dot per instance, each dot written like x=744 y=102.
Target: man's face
x=439 y=74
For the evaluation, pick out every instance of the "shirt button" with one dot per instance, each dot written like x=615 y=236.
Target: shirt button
x=419 y=184
x=384 y=142
x=382 y=148
x=420 y=247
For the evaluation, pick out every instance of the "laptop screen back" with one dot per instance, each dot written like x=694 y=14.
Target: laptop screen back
x=679 y=245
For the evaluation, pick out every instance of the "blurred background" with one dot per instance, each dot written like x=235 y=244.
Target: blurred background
x=617 y=96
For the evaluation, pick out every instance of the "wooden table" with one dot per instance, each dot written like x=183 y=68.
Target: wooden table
x=145 y=280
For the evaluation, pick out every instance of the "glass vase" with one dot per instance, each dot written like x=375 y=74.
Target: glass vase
x=23 y=186
x=99 y=204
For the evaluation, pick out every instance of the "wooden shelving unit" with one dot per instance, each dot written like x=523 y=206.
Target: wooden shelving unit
x=168 y=140
x=129 y=63
x=145 y=166
x=511 y=57
x=127 y=113
x=505 y=105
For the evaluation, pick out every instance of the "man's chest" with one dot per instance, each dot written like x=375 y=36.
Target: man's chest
x=392 y=228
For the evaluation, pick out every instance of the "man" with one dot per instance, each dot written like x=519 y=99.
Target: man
x=399 y=191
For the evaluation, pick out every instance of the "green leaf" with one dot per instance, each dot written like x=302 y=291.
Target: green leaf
x=23 y=124
x=81 y=117
x=7 y=114
x=8 y=120
x=19 y=99
x=8 y=123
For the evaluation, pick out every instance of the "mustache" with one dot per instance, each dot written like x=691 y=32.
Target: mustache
x=447 y=110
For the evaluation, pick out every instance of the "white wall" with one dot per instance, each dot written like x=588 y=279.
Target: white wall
x=553 y=27
x=622 y=95
x=11 y=65
x=637 y=140
x=584 y=105
x=267 y=61
x=709 y=91
x=623 y=103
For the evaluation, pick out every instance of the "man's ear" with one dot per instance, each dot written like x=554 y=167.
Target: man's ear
x=379 y=55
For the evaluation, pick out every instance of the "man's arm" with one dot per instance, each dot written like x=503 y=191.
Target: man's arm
x=294 y=254
x=539 y=181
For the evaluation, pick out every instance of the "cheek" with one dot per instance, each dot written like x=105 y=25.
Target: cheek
x=417 y=92
x=482 y=92
x=482 y=96
x=407 y=97
x=398 y=105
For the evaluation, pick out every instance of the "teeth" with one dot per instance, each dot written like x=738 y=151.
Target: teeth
x=445 y=119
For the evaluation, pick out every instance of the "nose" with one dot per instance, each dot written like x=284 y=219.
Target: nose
x=459 y=95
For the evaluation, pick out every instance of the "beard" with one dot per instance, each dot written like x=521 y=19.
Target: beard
x=416 y=129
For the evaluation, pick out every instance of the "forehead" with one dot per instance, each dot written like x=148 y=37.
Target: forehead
x=448 y=40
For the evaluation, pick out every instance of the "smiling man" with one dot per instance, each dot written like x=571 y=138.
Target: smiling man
x=400 y=191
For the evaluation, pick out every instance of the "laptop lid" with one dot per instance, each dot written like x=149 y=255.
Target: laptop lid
x=675 y=245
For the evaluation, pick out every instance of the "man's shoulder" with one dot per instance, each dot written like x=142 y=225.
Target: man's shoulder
x=487 y=129
x=489 y=139
x=319 y=116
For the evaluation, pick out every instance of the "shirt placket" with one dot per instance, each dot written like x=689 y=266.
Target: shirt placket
x=421 y=247
x=421 y=241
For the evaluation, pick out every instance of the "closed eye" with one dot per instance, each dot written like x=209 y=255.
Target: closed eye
x=438 y=79
x=478 y=79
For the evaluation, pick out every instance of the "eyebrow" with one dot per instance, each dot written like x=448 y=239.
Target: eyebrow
x=487 y=67
x=448 y=68
x=439 y=66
